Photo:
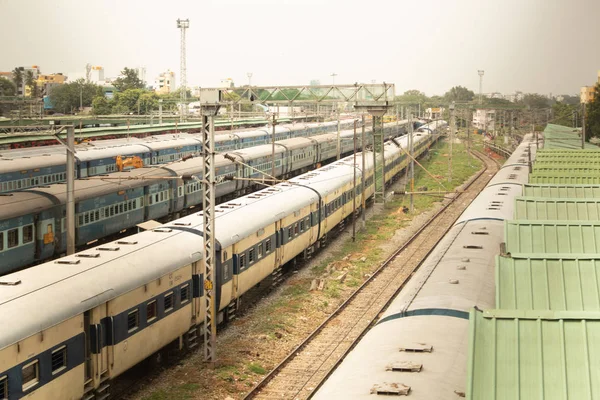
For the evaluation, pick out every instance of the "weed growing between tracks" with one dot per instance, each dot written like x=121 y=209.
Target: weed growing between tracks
x=253 y=344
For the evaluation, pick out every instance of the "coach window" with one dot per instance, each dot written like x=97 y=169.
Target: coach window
x=250 y=256
x=290 y=233
x=30 y=374
x=267 y=245
x=242 y=261
x=260 y=251
x=133 y=320
x=185 y=293
x=28 y=234
x=296 y=228
x=13 y=238
x=59 y=359
x=168 y=302
x=151 y=311
x=3 y=387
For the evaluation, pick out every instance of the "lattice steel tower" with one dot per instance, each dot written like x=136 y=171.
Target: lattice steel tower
x=183 y=24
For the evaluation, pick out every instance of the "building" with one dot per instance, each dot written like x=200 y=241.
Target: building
x=165 y=82
x=46 y=82
x=141 y=72
x=434 y=113
x=97 y=74
x=227 y=83
x=588 y=92
x=484 y=119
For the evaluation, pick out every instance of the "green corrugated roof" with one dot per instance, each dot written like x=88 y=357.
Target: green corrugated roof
x=556 y=237
x=562 y=191
x=563 y=179
x=567 y=283
x=568 y=169
x=563 y=137
x=590 y=151
x=534 y=355
x=533 y=208
x=551 y=163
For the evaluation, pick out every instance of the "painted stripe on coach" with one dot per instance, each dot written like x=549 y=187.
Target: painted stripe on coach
x=427 y=311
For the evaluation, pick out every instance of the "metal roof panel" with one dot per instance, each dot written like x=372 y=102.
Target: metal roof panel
x=548 y=282
x=562 y=191
x=533 y=208
x=556 y=237
x=520 y=355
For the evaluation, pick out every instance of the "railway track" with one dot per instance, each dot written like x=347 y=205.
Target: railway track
x=305 y=368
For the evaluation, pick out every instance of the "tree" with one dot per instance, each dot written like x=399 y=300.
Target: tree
x=31 y=83
x=563 y=114
x=148 y=101
x=101 y=106
x=7 y=88
x=458 y=93
x=592 y=119
x=412 y=97
x=119 y=109
x=66 y=97
x=570 y=100
x=495 y=100
x=535 y=100
x=129 y=79
x=17 y=74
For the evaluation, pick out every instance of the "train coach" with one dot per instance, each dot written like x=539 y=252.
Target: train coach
x=32 y=167
x=110 y=307
x=420 y=343
x=107 y=207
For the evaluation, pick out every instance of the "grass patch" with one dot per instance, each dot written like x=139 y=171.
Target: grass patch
x=257 y=369
x=180 y=392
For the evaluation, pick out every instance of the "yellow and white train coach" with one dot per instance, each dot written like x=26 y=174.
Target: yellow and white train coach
x=69 y=326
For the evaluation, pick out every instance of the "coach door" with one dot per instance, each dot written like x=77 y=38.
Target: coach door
x=278 y=243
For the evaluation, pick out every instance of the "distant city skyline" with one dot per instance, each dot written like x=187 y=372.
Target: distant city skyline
x=529 y=46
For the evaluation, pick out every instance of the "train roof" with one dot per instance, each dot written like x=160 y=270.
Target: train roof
x=29 y=163
x=18 y=204
x=113 y=273
x=109 y=152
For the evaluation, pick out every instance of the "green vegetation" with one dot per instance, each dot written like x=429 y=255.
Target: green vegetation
x=68 y=97
x=177 y=392
x=7 y=88
x=257 y=369
x=593 y=115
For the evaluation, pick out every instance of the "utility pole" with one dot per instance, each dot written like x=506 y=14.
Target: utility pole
x=467 y=123
x=333 y=75
x=354 y=184
x=160 y=101
x=273 y=145
x=480 y=72
x=249 y=75
x=411 y=167
x=583 y=127
x=209 y=185
x=183 y=25
x=452 y=125
x=70 y=190
x=339 y=144
x=362 y=175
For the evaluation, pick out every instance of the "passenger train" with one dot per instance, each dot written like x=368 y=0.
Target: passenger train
x=33 y=223
x=70 y=326
x=421 y=340
x=39 y=166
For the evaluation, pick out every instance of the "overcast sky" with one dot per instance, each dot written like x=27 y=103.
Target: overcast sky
x=546 y=46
